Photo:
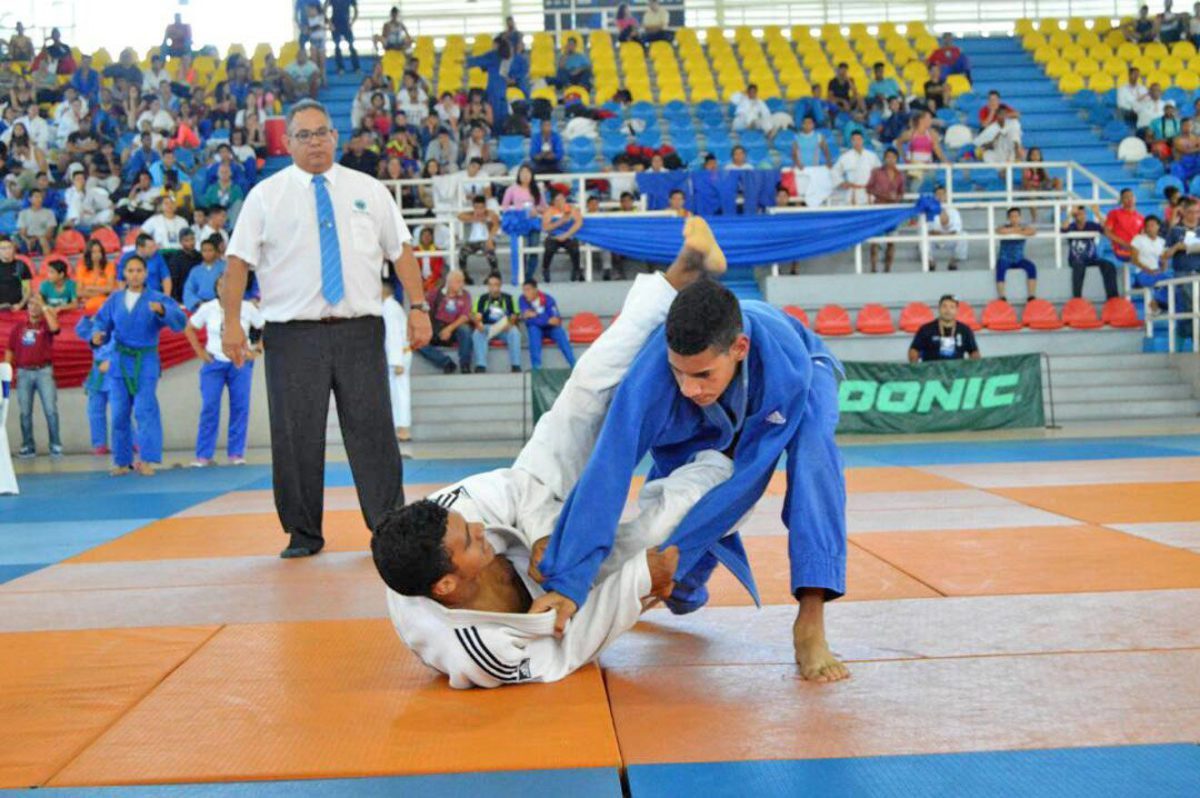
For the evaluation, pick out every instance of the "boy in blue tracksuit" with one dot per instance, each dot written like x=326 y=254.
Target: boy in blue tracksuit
x=540 y=313
x=752 y=382
x=96 y=387
x=132 y=319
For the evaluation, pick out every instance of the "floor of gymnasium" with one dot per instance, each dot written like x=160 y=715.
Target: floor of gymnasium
x=1021 y=618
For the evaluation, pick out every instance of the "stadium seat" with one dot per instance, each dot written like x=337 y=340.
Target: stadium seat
x=1079 y=314
x=833 y=320
x=1039 y=314
x=1165 y=182
x=1132 y=150
x=131 y=236
x=108 y=239
x=874 y=319
x=1149 y=169
x=1000 y=316
x=914 y=316
x=69 y=243
x=798 y=314
x=966 y=315
x=513 y=150
x=584 y=328
x=1120 y=312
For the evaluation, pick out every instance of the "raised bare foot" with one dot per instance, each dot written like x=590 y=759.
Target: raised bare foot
x=817 y=663
x=700 y=254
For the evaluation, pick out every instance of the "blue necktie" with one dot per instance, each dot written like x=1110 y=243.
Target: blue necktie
x=332 y=287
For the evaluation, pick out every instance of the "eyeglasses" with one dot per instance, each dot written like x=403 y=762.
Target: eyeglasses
x=305 y=136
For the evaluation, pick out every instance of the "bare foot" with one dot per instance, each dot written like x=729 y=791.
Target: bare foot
x=145 y=469
x=662 y=566
x=701 y=254
x=120 y=471
x=817 y=663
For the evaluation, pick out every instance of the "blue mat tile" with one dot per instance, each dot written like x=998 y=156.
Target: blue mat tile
x=54 y=541
x=173 y=480
x=581 y=783
x=98 y=505
x=1149 y=771
x=11 y=572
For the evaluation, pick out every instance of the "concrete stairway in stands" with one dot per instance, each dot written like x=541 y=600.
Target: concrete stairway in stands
x=1116 y=386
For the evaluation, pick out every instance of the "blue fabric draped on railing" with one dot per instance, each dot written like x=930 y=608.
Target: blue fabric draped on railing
x=747 y=240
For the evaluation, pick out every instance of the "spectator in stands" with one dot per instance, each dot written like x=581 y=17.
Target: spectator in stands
x=433 y=267
x=95 y=276
x=215 y=226
x=428 y=129
x=895 y=121
x=35 y=126
x=944 y=338
x=626 y=24
x=181 y=262
x=395 y=35
x=737 y=158
x=518 y=69
x=546 y=149
x=1164 y=129
x=1082 y=252
x=921 y=144
x=822 y=110
x=1122 y=224
x=496 y=315
x=751 y=113
x=881 y=88
x=177 y=38
x=31 y=352
x=1012 y=254
x=560 y=223
x=86 y=207
x=524 y=194
x=853 y=169
x=1150 y=108
x=886 y=187
x=539 y=312
x=1036 y=179
x=844 y=93
x=451 y=316
x=1141 y=30
x=412 y=99
x=811 y=160
x=1130 y=95
x=15 y=277
x=949 y=58
x=158 y=276
x=358 y=157
x=1168 y=28
x=991 y=111
x=1149 y=249
x=444 y=150
x=574 y=68
x=155 y=76
x=35 y=226
x=125 y=72
x=58 y=291
x=1183 y=251
x=201 y=285
x=20 y=46
x=139 y=204
x=656 y=24
x=59 y=53
x=301 y=78
x=1186 y=149
x=86 y=81
x=1000 y=141
x=448 y=112
x=480 y=227
x=341 y=21
x=476 y=147
x=948 y=222
x=675 y=204
x=165 y=226
x=493 y=63
x=478 y=113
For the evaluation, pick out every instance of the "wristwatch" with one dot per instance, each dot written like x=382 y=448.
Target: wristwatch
x=421 y=306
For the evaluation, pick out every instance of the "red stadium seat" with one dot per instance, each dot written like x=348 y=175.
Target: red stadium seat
x=1040 y=315
x=52 y=258
x=584 y=328
x=1120 y=312
x=966 y=315
x=798 y=314
x=915 y=316
x=875 y=319
x=833 y=320
x=108 y=239
x=131 y=236
x=1079 y=314
x=69 y=242
x=1000 y=316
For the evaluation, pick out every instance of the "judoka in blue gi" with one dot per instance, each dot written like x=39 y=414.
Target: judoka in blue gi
x=493 y=63
x=744 y=379
x=132 y=319
x=96 y=386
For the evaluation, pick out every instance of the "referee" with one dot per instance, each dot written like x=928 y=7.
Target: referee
x=316 y=235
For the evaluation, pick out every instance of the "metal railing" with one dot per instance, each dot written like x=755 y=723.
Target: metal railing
x=1173 y=315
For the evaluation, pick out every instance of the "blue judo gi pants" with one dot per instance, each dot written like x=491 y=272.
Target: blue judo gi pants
x=215 y=377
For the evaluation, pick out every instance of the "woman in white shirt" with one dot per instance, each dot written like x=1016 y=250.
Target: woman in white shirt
x=1148 y=247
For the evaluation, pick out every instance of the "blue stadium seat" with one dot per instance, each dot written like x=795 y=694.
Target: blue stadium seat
x=614 y=107
x=784 y=140
x=1176 y=95
x=1165 y=182
x=581 y=149
x=643 y=110
x=752 y=138
x=713 y=122
x=1114 y=132
x=651 y=137
x=676 y=109
x=1194 y=186
x=688 y=149
x=8 y=222
x=709 y=108
x=948 y=115
x=612 y=146
x=512 y=150
x=682 y=127
x=775 y=105
x=1085 y=98
x=1149 y=169
x=1109 y=97
x=611 y=125
x=757 y=153
x=717 y=142
x=987 y=181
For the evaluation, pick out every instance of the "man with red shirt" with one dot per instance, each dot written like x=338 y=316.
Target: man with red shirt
x=950 y=58
x=989 y=112
x=1122 y=224
x=30 y=352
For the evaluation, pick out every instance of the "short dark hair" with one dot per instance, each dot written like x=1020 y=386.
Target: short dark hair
x=947 y=298
x=625 y=194
x=479 y=199
x=704 y=315
x=213 y=241
x=409 y=548
x=59 y=265
x=493 y=276
x=143 y=238
x=1011 y=210
x=529 y=281
x=33 y=191
x=843 y=65
x=678 y=191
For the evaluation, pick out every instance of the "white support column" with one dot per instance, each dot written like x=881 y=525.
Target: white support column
x=858 y=259
x=991 y=229
x=1058 y=259
x=1171 y=319
x=924 y=228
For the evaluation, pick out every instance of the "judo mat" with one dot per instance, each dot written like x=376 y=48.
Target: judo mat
x=1021 y=618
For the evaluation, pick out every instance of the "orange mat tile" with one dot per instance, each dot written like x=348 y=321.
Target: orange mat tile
x=1128 y=503
x=241 y=535
x=879 y=478
x=1071 y=559
x=741 y=712
x=1119 y=470
x=867 y=577
x=263 y=501
x=335 y=700
x=917 y=629
x=60 y=690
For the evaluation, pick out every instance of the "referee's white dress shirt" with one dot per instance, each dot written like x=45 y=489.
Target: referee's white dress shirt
x=277 y=235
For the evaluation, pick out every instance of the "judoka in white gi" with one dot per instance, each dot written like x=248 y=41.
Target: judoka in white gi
x=399 y=360
x=457 y=563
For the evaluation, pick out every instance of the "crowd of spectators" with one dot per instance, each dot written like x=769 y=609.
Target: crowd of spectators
x=1167 y=27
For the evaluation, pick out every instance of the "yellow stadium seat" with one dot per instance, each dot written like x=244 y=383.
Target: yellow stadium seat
x=1184 y=50
x=514 y=93
x=1145 y=63
x=1048 y=26
x=1057 y=68
x=1114 y=38
x=1032 y=41
x=101 y=59
x=1194 y=64
x=1045 y=54
x=915 y=71
x=917 y=28
x=1159 y=77
x=1077 y=24
x=1155 y=50
x=545 y=93
x=1115 y=67
x=958 y=84
x=1187 y=80
x=1128 y=51
x=1086 y=68
x=1101 y=53
x=1088 y=39
x=1172 y=64
x=1061 y=39
x=1024 y=26
x=1072 y=53
x=1101 y=82
x=925 y=44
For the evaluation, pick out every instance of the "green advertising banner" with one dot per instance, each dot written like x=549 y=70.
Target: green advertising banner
x=942 y=396
x=887 y=398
